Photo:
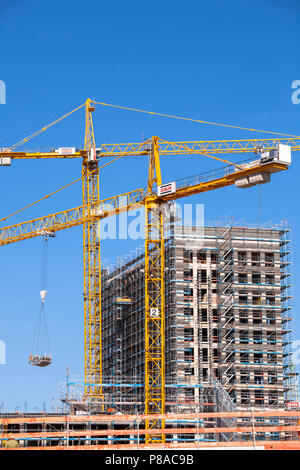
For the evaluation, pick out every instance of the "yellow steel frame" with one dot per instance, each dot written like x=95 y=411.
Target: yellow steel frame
x=154 y=320
x=91 y=268
x=72 y=217
x=154 y=303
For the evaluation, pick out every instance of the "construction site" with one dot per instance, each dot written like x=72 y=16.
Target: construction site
x=187 y=342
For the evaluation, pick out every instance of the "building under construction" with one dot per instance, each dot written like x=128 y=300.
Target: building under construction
x=228 y=320
x=229 y=374
x=199 y=323
x=230 y=380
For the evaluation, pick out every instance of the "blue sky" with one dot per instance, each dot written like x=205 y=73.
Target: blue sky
x=231 y=62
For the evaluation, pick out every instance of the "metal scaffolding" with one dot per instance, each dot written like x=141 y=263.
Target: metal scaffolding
x=228 y=323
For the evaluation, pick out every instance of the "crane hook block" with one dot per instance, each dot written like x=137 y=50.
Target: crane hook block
x=43 y=294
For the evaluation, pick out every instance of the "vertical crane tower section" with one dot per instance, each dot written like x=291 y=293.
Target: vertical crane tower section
x=91 y=265
x=154 y=302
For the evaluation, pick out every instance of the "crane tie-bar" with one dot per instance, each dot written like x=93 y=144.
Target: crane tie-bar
x=43 y=129
x=58 y=190
x=183 y=118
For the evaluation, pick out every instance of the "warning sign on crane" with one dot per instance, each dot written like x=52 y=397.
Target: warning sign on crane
x=94 y=154
x=167 y=188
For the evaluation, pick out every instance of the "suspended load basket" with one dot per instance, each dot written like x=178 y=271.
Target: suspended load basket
x=41 y=339
x=40 y=361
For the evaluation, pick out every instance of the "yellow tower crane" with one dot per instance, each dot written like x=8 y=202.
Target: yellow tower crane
x=273 y=156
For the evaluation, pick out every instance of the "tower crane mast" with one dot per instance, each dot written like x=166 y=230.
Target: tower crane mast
x=91 y=264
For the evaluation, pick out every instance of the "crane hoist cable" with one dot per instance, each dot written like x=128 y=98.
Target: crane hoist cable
x=41 y=355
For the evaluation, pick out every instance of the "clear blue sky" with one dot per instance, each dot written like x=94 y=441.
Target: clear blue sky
x=231 y=62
